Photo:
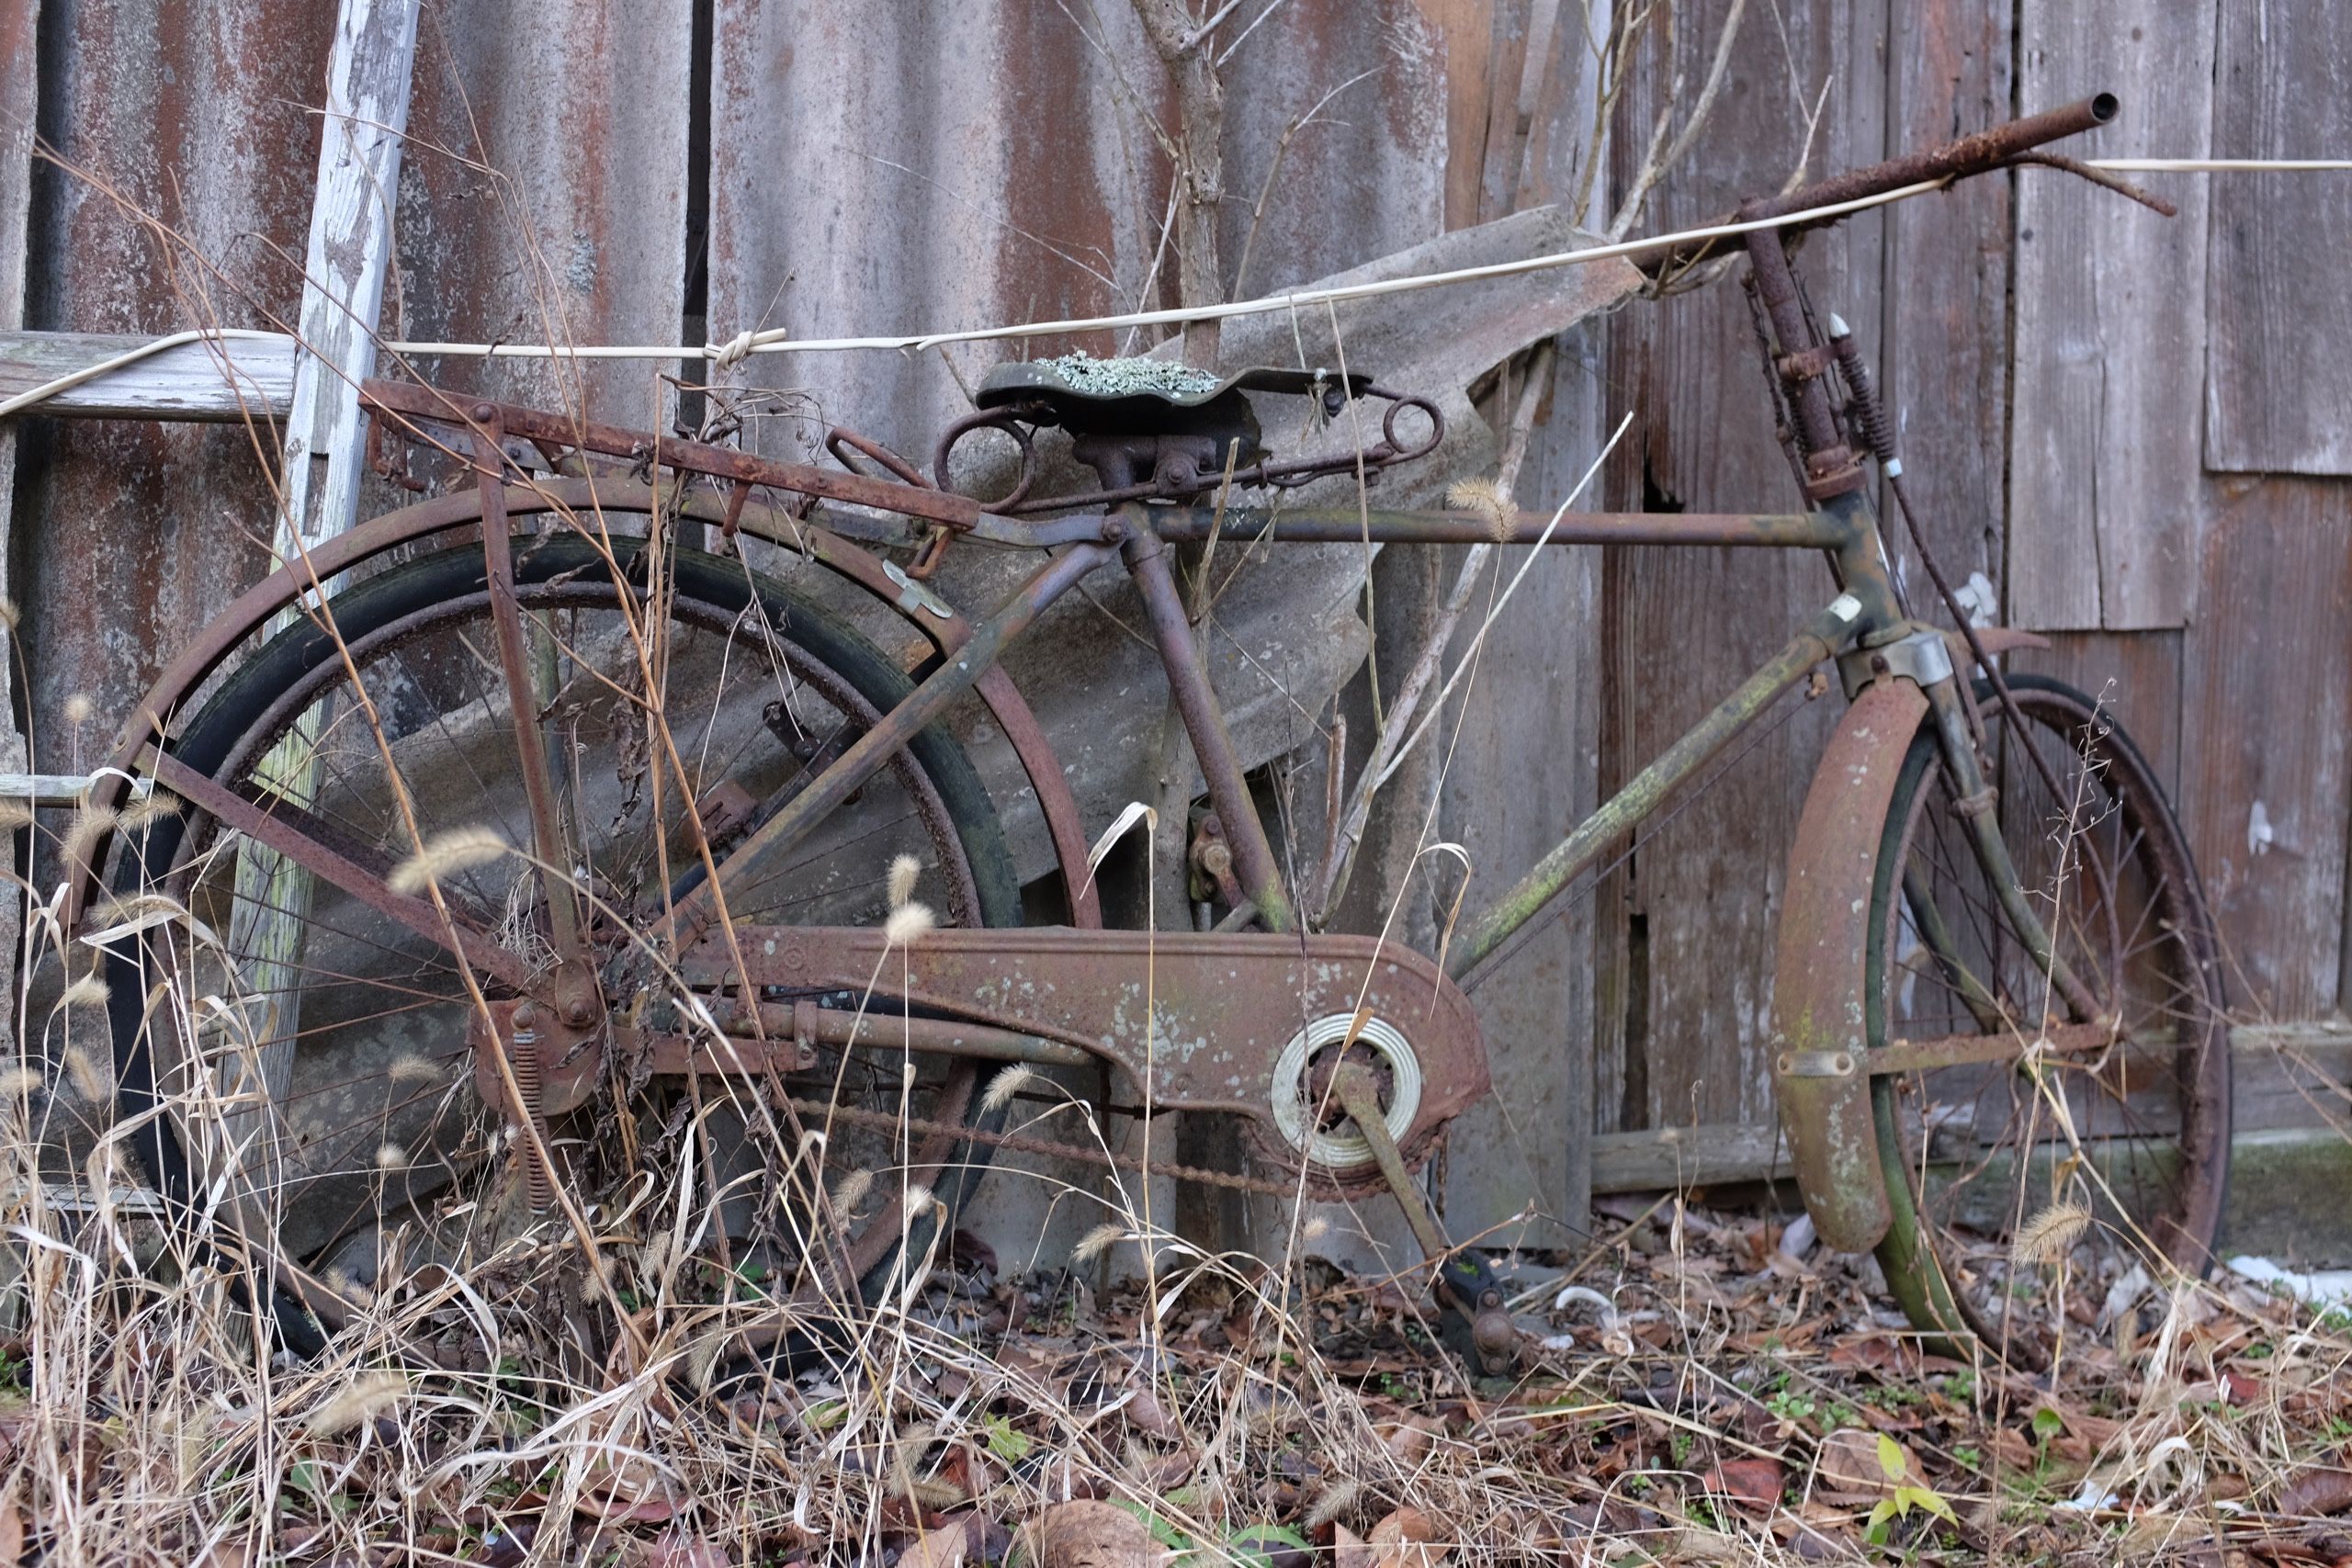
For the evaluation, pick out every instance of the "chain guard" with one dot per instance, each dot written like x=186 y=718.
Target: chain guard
x=1208 y=1016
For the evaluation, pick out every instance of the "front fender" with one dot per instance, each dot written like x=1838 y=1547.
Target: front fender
x=1820 y=1078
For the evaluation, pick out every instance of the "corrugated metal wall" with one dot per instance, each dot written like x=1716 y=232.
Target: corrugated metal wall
x=883 y=167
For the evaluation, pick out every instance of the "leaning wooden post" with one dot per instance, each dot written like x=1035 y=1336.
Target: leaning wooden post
x=343 y=288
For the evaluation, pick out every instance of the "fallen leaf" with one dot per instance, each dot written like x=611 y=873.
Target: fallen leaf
x=1088 y=1533
x=1164 y=1472
x=1349 y=1550
x=1875 y=1352
x=1851 y=1467
x=2317 y=1492
x=1409 y=1438
x=2011 y=1449
x=943 y=1548
x=1756 y=1481
x=12 y=1533
x=1694 y=1544
x=1147 y=1414
x=1403 y=1540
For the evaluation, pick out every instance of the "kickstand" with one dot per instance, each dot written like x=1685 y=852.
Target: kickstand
x=1474 y=1321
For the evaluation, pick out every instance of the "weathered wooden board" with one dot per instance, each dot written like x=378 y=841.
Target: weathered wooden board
x=2279 y=358
x=1687 y=944
x=343 y=268
x=19 y=87
x=1523 y=769
x=2136 y=675
x=2266 y=737
x=1520 y=776
x=230 y=380
x=2291 y=1082
x=2105 y=507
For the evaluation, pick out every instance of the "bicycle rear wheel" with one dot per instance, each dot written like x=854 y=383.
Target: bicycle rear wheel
x=309 y=1057
x=2106 y=1154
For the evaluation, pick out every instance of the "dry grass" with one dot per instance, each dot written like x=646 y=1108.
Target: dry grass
x=1689 y=1393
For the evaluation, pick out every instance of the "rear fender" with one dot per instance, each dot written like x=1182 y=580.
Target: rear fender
x=1820 y=1078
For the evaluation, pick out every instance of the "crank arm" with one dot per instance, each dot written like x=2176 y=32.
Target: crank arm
x=1465 y=1282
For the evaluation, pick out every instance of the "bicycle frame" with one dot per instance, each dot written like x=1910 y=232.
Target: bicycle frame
x=1898 y=673
x=1865 y=615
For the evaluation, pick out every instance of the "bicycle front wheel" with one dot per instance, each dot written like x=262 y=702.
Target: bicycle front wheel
x=2021 y=1187
x=295 y=1062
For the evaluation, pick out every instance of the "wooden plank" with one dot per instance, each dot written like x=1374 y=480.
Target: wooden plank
x=342 y=271
x=231 y=379
x=1688 y=945
x=1520 y=776
x=2283 y=1205
x=2267 y=742
x=20 y=88
x=2279 y=357
x=1672 y=1158
x=2291 y=1081
x=343 y=287
x=2105 y=506
x=1942 y=310
x=2136 y=675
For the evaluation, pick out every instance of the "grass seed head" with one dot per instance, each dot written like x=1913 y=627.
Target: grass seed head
x=413 y=1068
x=17 y=1082
x=1005 y=1085
x=87 y=990
x=90 y=824
x=368 y=1395
x=390 y=1156
x=903 y=871
x=93 y=1079
x=152 y=806
x=1338 y=1498
x=1486 y=498
x=851 y=1191
x=15 y=814
x=1097 y=1242
x=78 y=708
x=2049 y=1235
x=907 y=922
x=445 y=855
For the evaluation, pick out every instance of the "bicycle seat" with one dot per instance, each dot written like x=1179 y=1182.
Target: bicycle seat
x=1128 y=397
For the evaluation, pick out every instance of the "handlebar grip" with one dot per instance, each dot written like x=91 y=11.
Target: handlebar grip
x=1976 y=154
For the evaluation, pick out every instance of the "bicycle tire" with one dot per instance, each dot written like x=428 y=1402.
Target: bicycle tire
x=712 y=611
x=2155 y=1094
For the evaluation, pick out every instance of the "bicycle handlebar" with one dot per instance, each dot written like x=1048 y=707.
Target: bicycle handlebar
x=1977 y=154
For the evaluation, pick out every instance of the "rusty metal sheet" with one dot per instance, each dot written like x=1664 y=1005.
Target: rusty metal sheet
x=1819 y=1043
x=543 y=196
x=192 y=113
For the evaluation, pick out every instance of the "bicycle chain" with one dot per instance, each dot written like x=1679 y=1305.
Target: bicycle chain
x=1022 y=1144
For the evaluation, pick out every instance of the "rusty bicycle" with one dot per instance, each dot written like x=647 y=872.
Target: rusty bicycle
x=533 y=827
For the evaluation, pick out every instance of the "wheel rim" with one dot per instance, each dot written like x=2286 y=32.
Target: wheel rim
x=2131 y=1132
x=374 y=1115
